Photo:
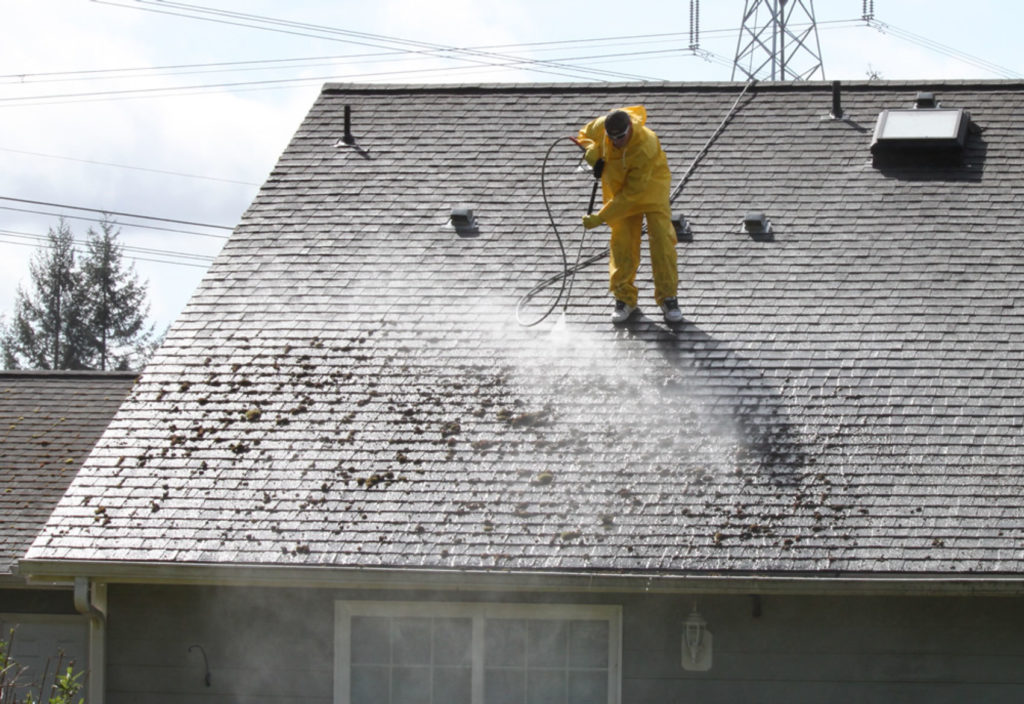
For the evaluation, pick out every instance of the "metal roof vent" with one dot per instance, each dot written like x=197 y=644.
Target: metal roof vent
x=684 y=233
x=348 y=139
x=925 y=100
x=757 y=224
x=464 y=222
x=837 y=101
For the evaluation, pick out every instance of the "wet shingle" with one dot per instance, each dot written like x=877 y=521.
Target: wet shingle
x=845 y=395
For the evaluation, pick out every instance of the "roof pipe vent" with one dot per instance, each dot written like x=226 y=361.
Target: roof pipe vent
x=925 y=100
x=837 y=102
x=348 y=139
x=463 y=221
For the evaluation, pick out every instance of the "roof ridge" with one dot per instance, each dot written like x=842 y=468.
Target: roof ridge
x=665 y=86
x=68 y=373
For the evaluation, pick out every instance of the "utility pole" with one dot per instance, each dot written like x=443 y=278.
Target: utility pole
x=778 y=42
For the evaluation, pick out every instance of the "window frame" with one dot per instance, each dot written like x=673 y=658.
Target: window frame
x=479 y=612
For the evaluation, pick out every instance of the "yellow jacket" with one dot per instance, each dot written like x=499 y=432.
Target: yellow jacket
x=636 y=178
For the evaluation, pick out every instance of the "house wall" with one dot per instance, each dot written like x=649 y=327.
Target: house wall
x=277 y=645
x=37 y=601
x=47 y=633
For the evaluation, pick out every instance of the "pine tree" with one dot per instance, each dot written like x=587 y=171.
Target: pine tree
x=9 y=362
x=118 y=311
x=88 y=318
x=48 y=328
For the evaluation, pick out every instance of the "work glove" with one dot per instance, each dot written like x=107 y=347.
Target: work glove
x=598 y=168
x=591 y=220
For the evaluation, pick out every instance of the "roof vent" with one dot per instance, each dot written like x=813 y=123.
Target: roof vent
x=757 y=224
x=684 y=233
x=464 y=222
x=348 y=139
x=925 y=100
x=837 y=101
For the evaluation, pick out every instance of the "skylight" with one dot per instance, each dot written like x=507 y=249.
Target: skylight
x=938 y=124
x=921 y=134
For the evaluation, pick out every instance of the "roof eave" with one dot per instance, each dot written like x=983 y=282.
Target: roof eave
x=453 y=579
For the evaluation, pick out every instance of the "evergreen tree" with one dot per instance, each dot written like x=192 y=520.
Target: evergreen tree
x=88 y=318
x=119 y=309
x=48 y=328
x=6 y=342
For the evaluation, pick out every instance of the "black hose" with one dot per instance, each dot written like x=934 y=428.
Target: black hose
x=566 y=272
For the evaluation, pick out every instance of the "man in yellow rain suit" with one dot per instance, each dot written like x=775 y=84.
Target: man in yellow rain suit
x=635 y=184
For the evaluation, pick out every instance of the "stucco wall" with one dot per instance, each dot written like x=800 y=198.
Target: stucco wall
x=277 y=645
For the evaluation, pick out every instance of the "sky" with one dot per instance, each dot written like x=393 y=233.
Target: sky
x=169 y=115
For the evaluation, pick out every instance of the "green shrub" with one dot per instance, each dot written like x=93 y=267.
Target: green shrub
x=14 y=690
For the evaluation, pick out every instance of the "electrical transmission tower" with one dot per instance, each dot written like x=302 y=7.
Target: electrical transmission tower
x=778 y=42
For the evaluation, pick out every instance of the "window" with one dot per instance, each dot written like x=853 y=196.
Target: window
x=437 y=653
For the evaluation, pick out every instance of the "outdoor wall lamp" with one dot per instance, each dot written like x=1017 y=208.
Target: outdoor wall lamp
x=696 y=643
x=206 y=663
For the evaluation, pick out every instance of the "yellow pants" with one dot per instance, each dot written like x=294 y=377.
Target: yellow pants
x=625 y=256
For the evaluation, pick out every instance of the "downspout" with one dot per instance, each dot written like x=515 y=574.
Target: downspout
x=92 y=603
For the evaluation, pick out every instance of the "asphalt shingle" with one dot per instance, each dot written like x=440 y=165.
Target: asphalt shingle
x=349 y=387
x=49 y=421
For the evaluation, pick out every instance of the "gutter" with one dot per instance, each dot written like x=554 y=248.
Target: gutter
x=101 y=573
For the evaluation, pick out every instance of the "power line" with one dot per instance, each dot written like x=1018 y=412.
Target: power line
x=378 y=39
x=940 y=48
x=126 y=166
x=120 y=214
x=180 y=91
x=265 y=23
x=481 y=57
x=644 y=40
x=124 y=224
x=129 y=248
x=178 y=69
x=145 y=254
x=391 y=53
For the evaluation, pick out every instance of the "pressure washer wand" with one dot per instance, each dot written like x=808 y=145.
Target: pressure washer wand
x=598 y=169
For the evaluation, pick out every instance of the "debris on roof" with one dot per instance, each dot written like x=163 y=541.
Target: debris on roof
x=348 y=386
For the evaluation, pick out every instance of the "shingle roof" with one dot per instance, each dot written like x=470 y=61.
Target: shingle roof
x=349 y=386
x=49 y=421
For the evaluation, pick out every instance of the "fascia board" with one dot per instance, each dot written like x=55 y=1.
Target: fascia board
x=124 y=572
